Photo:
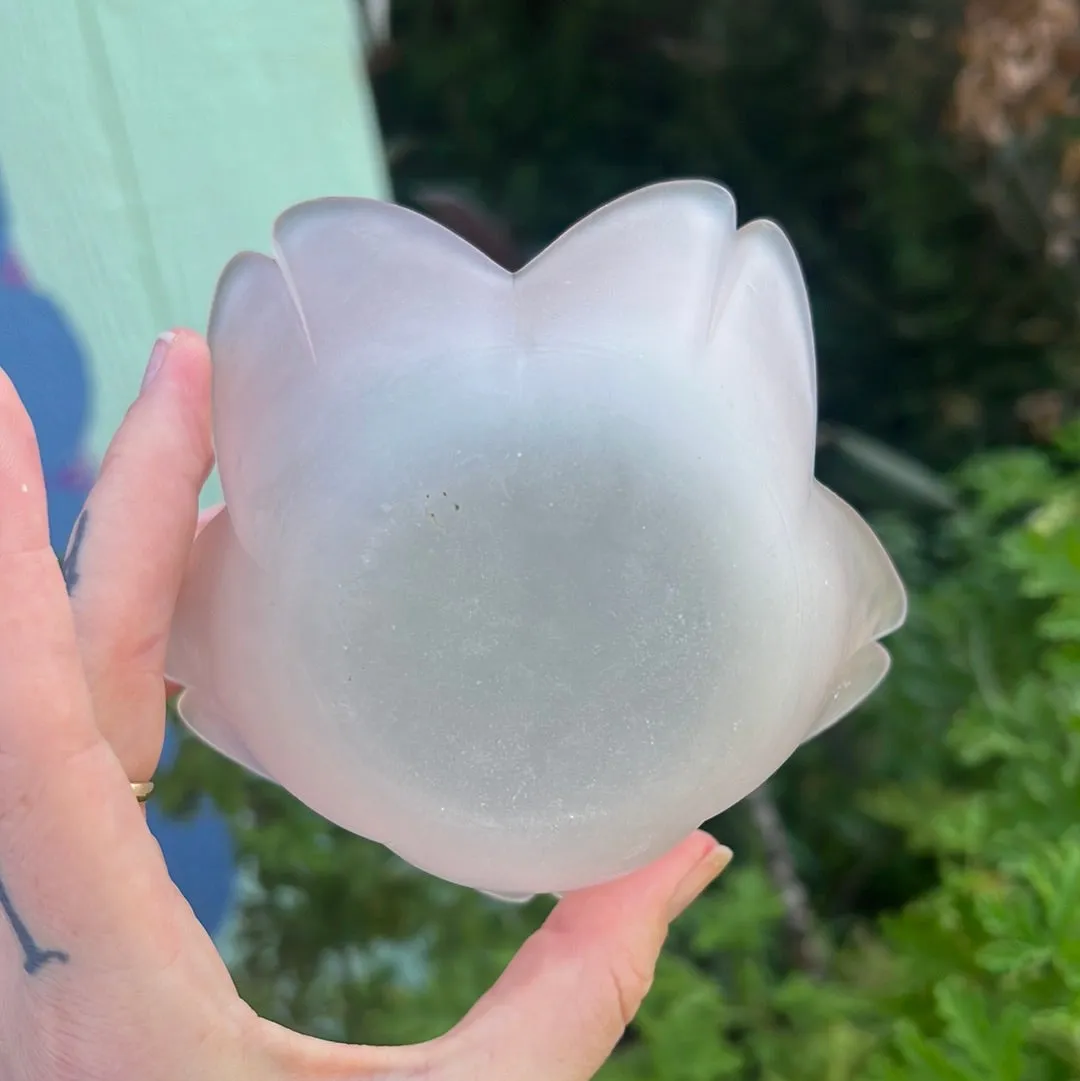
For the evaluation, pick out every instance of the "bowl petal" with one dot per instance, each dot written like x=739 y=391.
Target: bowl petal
x=761 y=356
x=263 y=370
x=637 y=277
x=200 y=637
x=855 y=568
x=208 y=722
x=857 y=680
x=850 y=596
x=379 y=285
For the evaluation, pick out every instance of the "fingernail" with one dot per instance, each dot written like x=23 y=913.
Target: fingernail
x=157 y=357
x=703 y=872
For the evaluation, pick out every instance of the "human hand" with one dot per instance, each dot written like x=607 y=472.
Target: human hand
x=104 y=971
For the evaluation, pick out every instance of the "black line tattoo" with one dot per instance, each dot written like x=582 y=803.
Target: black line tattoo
x=34 y=957
x=69 y=566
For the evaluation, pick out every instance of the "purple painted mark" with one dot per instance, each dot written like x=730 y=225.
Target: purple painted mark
x=11 y=274
x=43 y=358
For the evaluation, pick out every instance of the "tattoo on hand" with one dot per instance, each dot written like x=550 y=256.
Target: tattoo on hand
x=34 y=957
x=69 y=566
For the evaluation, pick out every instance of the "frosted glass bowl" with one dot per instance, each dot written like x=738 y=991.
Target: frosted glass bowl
x=523 y=575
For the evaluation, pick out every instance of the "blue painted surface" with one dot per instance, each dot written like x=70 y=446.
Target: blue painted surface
x=42 y=359
x=42 y=355
x=198 y=851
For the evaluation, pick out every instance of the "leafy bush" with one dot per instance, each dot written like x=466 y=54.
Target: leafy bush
x=984 y=978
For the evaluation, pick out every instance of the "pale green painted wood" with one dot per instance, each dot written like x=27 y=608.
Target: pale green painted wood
x=143 y=144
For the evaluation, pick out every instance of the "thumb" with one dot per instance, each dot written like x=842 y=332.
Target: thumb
x=563 y=1003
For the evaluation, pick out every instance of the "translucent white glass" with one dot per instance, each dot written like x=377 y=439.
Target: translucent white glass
x=523 y=576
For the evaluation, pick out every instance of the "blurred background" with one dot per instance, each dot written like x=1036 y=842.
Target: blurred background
x=905 y=899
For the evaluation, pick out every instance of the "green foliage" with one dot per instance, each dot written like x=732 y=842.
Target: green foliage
x=987 y=973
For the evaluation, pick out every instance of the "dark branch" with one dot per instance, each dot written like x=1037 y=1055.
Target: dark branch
x=808 y=942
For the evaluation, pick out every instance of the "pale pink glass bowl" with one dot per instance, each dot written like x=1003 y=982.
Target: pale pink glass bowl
x=523 y=575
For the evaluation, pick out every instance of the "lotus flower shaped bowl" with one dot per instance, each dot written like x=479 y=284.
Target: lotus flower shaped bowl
x=523 y=575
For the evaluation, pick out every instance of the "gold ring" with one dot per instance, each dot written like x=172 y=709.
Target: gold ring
x=142 y=790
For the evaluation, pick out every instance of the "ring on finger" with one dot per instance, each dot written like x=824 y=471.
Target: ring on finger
x=141 y=790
